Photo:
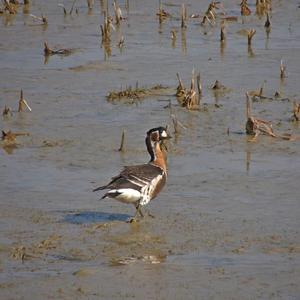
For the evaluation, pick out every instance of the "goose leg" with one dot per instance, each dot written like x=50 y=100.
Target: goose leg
x=137 y=213
x=139 y=210
x=149 y=214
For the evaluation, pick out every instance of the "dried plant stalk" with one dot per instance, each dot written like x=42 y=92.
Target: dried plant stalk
x=48 y=51
x=105 y=28
x=162 y=14
x=118 y=13
x=173 y=38
x=183 y=15
x=282 y=70
x=121 y=42
x=71 y=10
x=122 y=145
x=173 y=34
x=90 y=4
x=210 y=14
x=7 y=112
x=296 y=111
x=23 y=103
x=268 y=22
x=183 y=41
x=8 y=137
x=10 y=7
x=257 y=126
x=245 y=10
x=250 y=34
x=43 y=19
x=222 y=34
x=72 y=7
x=181 y=90
x=263 y=6
x=258 y=93
x=199 y=86
x=191 y=98
x=64 y=9
x=177 y=124
x=217 y=86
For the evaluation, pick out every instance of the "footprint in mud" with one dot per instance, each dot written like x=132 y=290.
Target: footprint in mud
x=88 y=217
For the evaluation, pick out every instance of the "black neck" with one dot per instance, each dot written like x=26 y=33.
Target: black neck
x=150 y=148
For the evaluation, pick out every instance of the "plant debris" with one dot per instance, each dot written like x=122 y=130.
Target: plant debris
x=218 y=87
x=136 y=93
x=255 y=127
x=183 y=16
x=106 y=28
x=245 y=10
x=43 y=19
x=263 y=7
x=18 y=253
x=162 y=14
x=258 y=94
x=296 y=111
x=250 y=34
x=222 y=33
x=282 y=70
x=8 y=137
x=23 y=103
x=7 y=112
x=10 y=7
x=22 y=252
x=150 y=259
x=177 y=124
x=64 y=51
x=268 y=22
x=118 y=13
x=210 y=14
x=181 y=90
x=71 y=9
x=189 y=98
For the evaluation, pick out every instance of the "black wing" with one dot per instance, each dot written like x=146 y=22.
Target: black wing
x=134 y=177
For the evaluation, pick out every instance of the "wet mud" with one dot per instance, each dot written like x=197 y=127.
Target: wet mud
x=226 y=224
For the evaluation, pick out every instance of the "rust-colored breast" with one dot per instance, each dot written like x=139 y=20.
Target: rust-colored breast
x=160 y=160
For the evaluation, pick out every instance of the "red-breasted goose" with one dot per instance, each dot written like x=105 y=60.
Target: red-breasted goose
x=141 y=183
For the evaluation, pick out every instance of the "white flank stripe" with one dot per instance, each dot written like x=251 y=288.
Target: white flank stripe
x=138 y=183
x=126 y=195
x=144 y=181
x=148 y=190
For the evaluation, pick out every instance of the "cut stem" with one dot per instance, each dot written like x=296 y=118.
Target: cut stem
x=251 y=33
x=183 y=15
x=122 y=145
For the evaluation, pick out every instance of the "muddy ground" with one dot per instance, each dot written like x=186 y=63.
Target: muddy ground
x=227 y=223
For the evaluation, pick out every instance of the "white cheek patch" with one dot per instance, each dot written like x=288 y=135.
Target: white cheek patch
x=164 y=134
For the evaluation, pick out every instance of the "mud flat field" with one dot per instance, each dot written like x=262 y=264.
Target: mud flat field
x=226 y=224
